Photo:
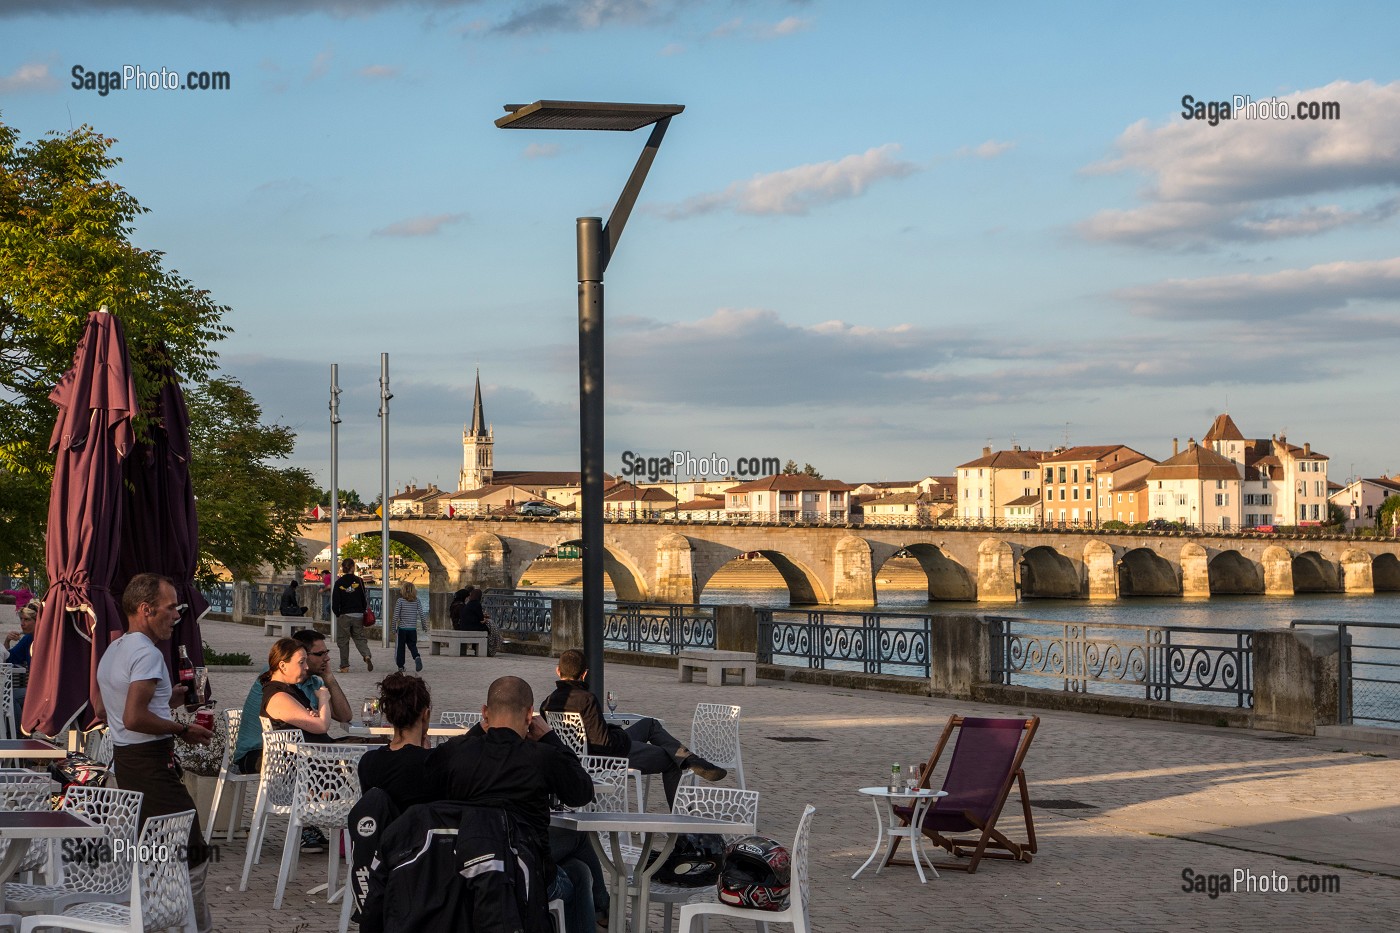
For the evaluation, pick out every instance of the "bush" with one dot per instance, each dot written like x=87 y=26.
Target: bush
x=1114 y=525
x=230 y=659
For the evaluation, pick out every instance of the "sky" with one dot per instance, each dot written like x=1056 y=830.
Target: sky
x=880 y=236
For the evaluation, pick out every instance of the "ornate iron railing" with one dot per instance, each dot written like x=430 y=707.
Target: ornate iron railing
x=1368 y=671
x=519 y=612
x=219 y=597
x=1161 y=662
x=872 y=642
x=265 y=599
x=658 y=628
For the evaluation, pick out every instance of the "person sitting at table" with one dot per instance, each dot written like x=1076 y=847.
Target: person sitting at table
x=645 y=744
x=22 y=651
x=513 y=760
x=290 y=604
x=284 y=704
x=401 y=767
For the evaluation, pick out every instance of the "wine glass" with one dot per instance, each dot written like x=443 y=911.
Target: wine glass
x=368 y=711
x=612 y=702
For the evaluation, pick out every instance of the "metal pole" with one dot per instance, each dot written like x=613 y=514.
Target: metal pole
x=590 y=384
x=335 y=489
x=387 y=610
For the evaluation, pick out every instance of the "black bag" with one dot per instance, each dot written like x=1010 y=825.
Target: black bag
x=693 y=863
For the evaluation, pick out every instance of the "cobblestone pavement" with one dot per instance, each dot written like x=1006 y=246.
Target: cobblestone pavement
x=1161 y=799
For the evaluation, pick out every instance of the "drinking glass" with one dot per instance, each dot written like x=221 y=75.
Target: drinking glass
x=911 y=777
x=201 y=683
x=368 y=711
x=612 y=702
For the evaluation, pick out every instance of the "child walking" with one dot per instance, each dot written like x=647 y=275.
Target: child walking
x=408 y=617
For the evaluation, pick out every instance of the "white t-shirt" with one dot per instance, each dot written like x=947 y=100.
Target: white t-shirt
x=131 y=658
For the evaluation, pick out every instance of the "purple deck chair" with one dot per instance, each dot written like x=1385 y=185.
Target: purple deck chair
x=986 y=761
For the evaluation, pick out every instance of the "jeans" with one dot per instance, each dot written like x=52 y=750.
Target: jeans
x=570 y=845
x=573 y=887
x=348 y=626
x=408 y=638
x=654 y=752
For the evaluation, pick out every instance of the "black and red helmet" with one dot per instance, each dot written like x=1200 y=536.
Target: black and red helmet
x=757 y=873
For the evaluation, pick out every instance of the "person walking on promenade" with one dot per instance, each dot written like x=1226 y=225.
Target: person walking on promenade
x=136 y=690
x=348 y=602
x=408 y=617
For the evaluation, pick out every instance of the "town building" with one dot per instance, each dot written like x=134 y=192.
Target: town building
x=788 y=498
x=901 y=508
x=995 y=479
x=1283 y=484
x=1077 y=481
x=1196 y=487
x=478 y=440
x=1361 y=500
x=415 y=501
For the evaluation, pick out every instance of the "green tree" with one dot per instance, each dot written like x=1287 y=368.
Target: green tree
x=367 y=547
x=350 y=500
x=249 y=508
x=1386 y=515
x=66 y=250
x=790 y=469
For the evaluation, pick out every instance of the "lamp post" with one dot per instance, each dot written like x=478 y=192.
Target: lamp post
x=596 y=244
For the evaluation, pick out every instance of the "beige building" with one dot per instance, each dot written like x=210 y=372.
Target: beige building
x=1283 y=484
x=415 y=501
x=788 y=498
x=1078 y=481
x=1127 y=503
x=1361 y=500
x=1196 y=487
x=996 y=478
x=1023 y=512
x=901 y=508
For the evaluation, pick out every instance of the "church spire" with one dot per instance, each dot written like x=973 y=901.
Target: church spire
x=478 y=428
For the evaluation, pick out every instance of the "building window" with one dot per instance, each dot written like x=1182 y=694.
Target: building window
x=1075 y=497
x=1062 y=474
x=1219 y=499
x=1075 y=473
x=1049 y=474
x=1088 y=474
x=1062 y=494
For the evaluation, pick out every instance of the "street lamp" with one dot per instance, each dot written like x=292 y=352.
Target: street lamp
x=596 y=244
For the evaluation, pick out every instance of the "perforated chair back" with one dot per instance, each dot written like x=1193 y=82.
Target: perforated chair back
x=327 y=783
x=609 y=783
x=801 y=872
x=460 y=718
x=7 y=701
x=98 y=745
x=571 y=731
x=25 y=791
x=718 y=803
x=117 y=812
x=279 y=768
x=163 y=884
x=714 y=735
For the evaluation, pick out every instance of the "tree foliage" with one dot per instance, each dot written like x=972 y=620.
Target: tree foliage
x=367 y=547
x=1387 y=514
x=350 y=500
x=249 y=508
x=790 y=469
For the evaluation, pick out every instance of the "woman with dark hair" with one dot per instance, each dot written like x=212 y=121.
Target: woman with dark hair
x=457 y=611
x=400 y=768
x=285 y=705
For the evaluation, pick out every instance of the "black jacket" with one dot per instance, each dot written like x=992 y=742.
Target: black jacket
x=348 y=595
x=604 y=738
x=289 y=605
x=451 y=867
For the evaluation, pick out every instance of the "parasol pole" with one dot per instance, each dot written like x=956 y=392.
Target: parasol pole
x=335 y=490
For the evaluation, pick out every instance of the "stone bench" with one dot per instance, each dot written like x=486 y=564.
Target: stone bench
x=284 y=626
x=715 y=664
x=456 y=642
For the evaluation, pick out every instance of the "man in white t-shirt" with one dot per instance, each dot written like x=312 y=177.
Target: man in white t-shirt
x=136 y=690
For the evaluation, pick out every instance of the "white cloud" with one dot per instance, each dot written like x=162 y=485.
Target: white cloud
x=425 y=225
x=1244 y=180
x=741 y=28
x=1287 y=293
x=541 y=151
x=987 y=150
x=379 y=71
x=30 y=77
x=797 y=190
x=320 y=65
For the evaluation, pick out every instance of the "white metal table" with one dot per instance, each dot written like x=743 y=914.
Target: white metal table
x=434 y=728
x=29 y=749
x=888 y=833
x=649 y=825
x=22 y=827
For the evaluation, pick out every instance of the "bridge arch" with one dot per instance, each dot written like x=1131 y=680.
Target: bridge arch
x=1144 y=572
x=622 y=570
x=947 y=579
x=1385 y=573
x=1231 y=573
x=804 y=586
x=1313 y=573
x=1046 y=573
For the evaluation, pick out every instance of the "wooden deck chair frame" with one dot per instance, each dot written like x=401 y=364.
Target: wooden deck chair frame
x=991 y=843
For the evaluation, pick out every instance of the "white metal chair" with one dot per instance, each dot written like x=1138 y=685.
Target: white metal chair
x=796 y=913
x=160 y=889
x=98 y=745
x=714 y=736
x=720 y=803
x=24 y=790
x=231 y=777
x=7 y=701
x=571 y=731
x=327 y=787
x=609 y=783
x=556 y=913
x=105 y=878
x=467 y=719
x=276 y=781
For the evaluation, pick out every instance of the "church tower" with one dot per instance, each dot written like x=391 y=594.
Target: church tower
x=477 y=459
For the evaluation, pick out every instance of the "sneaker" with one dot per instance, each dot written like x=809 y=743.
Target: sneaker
x=400 y=670
x=706 y=770
x=312 y=840
x=418 y=663
x=369 y=664
x=345 y=670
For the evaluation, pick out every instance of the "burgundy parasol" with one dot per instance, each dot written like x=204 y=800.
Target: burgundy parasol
x=160 y=532
x=96 y=401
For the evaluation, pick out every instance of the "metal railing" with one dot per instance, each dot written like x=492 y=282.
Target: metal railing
x=872 y=642
x=1159 y=662
x=519 y=612
x=1368 y=671
x=265 y=599
x=658 y=628
x=219 y=597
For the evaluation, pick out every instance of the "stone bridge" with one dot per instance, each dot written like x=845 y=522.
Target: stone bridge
x=671 y=562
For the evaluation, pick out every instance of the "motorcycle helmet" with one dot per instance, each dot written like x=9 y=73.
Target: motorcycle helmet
x=693 y=863
x=757 y=873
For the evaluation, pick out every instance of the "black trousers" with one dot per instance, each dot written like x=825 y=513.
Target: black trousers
x=653 y=751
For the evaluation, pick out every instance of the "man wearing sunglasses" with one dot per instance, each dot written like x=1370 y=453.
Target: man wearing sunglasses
x=318 y=673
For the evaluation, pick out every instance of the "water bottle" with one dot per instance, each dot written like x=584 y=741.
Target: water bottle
x=894 y=777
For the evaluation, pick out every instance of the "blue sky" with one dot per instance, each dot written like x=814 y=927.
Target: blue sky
x=880 y=236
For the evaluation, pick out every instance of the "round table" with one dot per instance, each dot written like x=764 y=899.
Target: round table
x=887 y=832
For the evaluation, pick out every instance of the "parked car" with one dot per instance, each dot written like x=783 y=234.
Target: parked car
x=1161 y=524
x=547 y=509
